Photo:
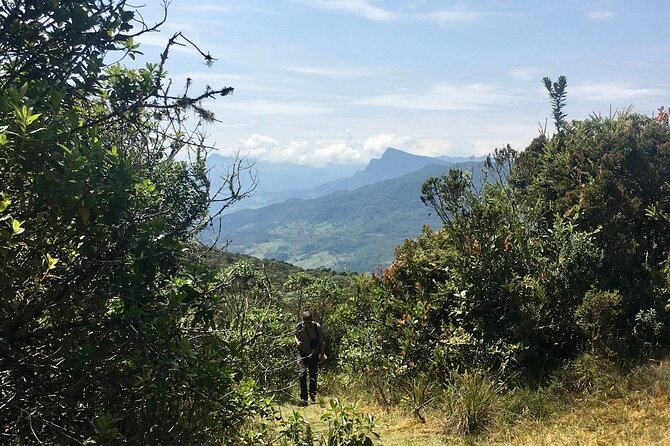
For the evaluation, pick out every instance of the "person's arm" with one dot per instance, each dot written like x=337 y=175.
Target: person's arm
x=322 y=344
x=298 y=342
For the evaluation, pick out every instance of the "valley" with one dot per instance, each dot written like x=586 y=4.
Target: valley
x=351 y=224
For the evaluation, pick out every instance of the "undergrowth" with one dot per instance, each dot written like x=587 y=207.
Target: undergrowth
x=588 y=400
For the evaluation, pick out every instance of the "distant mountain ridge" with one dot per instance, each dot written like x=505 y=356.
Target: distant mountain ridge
x=272 y=177
x=355 y=230
x=393 y=163
x=281 y=181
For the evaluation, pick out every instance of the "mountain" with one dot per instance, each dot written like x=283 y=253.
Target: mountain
x=354 y=230
x=278 y=182
x=393 y=163
x=273 y=179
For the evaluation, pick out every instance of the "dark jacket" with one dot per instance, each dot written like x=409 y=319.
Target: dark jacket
x=311 y=338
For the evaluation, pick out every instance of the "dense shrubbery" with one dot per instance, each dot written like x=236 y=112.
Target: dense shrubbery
x=561 y=256
x=110 y=329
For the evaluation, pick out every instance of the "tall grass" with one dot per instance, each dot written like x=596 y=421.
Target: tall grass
x=472 y=402
x=589 y=401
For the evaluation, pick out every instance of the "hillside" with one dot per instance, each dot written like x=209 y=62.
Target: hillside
x=278 y=182
x=346 y=230
x=277 y=271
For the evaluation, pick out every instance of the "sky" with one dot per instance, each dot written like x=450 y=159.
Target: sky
x=321 y=82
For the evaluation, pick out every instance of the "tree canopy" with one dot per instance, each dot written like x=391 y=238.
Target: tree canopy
x=107 y=323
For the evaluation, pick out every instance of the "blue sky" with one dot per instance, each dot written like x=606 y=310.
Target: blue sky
x=338 y=81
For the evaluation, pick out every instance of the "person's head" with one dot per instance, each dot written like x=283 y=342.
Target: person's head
x=307 y=317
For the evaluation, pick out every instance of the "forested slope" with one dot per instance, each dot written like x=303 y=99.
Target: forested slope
x=347 y=230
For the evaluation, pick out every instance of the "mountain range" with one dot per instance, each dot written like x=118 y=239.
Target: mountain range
x=278 y=182
x=351 y=224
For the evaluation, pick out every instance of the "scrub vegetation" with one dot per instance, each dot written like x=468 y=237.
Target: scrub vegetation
x=537 y=312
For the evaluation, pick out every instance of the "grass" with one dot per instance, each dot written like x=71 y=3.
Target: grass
x=639 y=414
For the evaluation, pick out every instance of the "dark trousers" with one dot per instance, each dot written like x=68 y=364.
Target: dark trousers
x=307 y=364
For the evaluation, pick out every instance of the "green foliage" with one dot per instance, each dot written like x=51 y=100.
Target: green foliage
x=321 y=296
x=347 y=427
x=615 y=172
x=295 y=431
x=419 y=391
x=447 y=194
x=520 y=276
x=558 y=95
x=109 y=329
x=472 y=402
x=524 y=403
x=597 y=316
x=588 y=373
x=105 y=432
x=490 y=290
x=648 y=329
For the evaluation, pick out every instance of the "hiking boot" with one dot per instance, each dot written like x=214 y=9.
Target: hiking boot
x=313 y=398
x=303 y=403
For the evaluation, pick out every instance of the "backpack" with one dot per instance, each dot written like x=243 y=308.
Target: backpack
x=314 y=343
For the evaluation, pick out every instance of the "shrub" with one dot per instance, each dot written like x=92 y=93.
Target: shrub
x=652 y=378
x=588 y=373
x=472 y=401
x=347 y=427
x=597 y=316
x=536 y=404
x=295 y=431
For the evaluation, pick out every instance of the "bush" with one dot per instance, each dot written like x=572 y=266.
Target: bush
x=472 y=402
x=597 y=316
x=347 y=427
x=295 y=431
x=588 y=373
x=652 y=378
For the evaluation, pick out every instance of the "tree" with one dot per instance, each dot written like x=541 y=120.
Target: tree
x=107 y=327
x=558 y=95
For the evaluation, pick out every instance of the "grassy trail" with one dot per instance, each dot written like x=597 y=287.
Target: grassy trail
x=637 y=419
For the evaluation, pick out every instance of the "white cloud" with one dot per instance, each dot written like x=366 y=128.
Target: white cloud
x=367 y=9
x=318 y=71
x=610 y=91
x=338 y=151
x=600 y=14
x=446 y=17
x=256 y=141
x=339 y=71
x=207 y=7
x=376 y=145
x=363 y=8
x=449 y=98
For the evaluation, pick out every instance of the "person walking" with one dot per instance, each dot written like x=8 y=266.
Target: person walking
x=311 y=351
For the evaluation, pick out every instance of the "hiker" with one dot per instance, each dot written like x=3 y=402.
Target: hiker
x=309 y=341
